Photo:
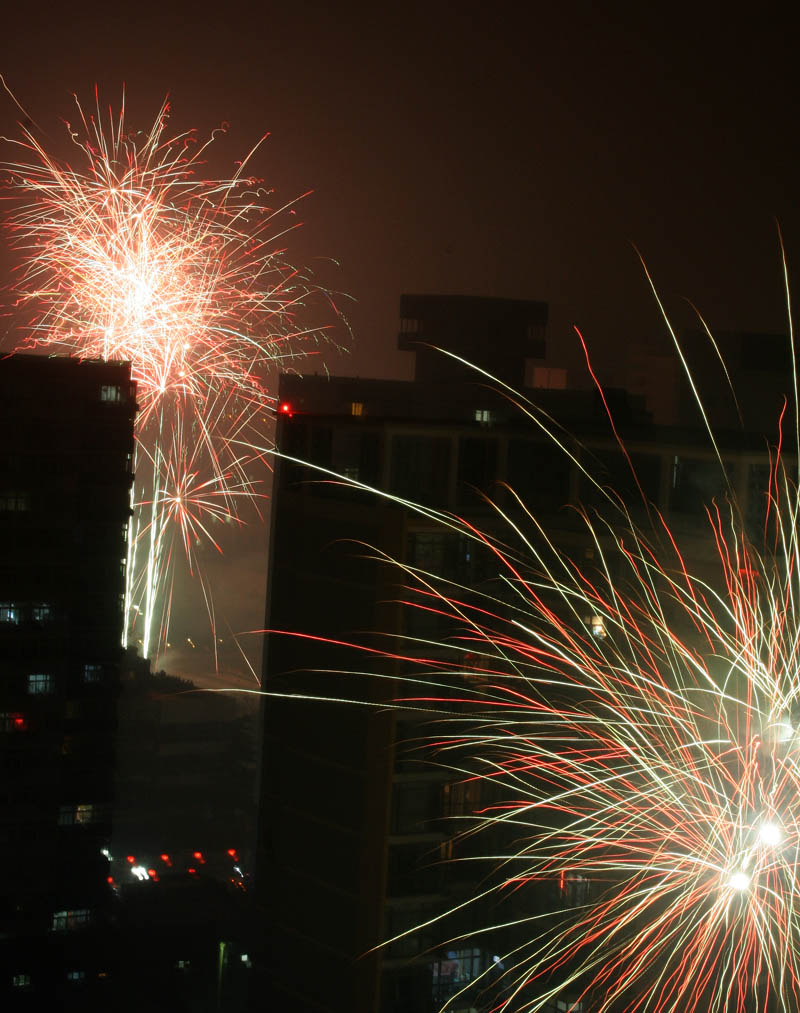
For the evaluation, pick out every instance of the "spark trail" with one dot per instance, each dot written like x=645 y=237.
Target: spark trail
x=127 y=251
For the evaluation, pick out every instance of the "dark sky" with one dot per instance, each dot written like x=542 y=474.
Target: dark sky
x=471 y=149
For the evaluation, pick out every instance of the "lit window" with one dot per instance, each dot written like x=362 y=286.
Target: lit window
x=183 y=965
x=92 y=673
x=356 y=407
x=350 y=472
x=78 y=815
x=21 y=981
x=41 y=613
x=14 y=502
x=64 y=921
x=76 y=976
x=574 y=889
x=409 y=325
x=13 y=721
x=111 y=393
x=9 y=613
x=41 y=683
x=484 y=415
x=598 y=627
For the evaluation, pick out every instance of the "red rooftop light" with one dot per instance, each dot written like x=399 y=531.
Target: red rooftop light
x=286 y=408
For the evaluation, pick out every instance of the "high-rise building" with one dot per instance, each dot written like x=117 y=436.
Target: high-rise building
x=358 y=829
x=66 y=448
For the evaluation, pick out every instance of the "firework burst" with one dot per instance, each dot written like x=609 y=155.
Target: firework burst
x=635 y=730
x=127 y=251
x=624 y=699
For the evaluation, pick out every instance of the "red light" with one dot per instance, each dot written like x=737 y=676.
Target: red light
x=199 y=856
x=110 y=879
x=232 y=853
x=131 y=859
x=152 y=874
x=19 y=721
x=192 y=871
x=166 y=859
x=286 y=408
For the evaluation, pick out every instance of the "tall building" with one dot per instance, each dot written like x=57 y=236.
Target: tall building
x=66 y=446
x=358 y=828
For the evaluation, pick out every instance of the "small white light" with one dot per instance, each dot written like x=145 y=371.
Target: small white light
x=770 y=834
x=739 y=881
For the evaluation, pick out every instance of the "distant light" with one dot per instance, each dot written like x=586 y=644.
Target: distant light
x=110 y=879
x=199 y=856
x=131 y=859
x=598 y=627
x=770 y=834
x=286 y=408
x=140 y=872
x=739 y=881
x=105 y=852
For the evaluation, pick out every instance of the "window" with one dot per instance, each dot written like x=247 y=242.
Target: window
x=92 y=673
x=539 y=473
x=461 y=798
x=696 y=483
x=13 y=721
x=477 y=468
x=357 y=408
x=111 y=393
x=64 y=921
x=420 y=469
x=41 y=683
x=415 y=804
x=41 y=613
x=574 y=889
x=484 y=416
x=456 y=969
x=597 y=627
x=410 y=325
x=9 y=613
x=79 y=815
x=183 y=965
x=21 y=981
x=76 y=977
x=14 y=502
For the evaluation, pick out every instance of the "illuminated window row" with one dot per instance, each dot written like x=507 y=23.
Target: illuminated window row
x=14 y=501
x=80 y=815
x=76 y=918
x=14 y=612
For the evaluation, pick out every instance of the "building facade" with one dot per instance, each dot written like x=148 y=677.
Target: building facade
x=66 y=450
x=360 y=826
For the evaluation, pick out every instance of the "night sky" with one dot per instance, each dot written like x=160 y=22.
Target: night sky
x=474 y=151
